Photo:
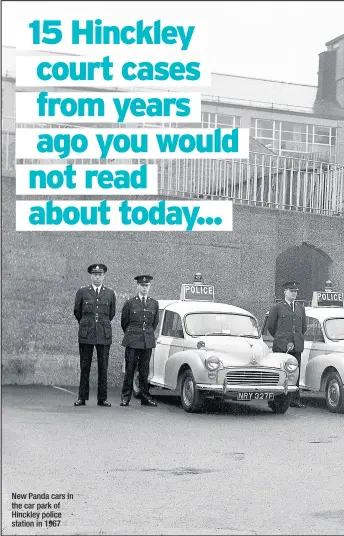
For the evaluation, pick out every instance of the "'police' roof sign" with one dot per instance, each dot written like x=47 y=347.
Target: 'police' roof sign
x=328 y=299
x=197 y=292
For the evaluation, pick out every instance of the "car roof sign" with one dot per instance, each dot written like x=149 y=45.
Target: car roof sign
x=328 y=299
x=197 y=292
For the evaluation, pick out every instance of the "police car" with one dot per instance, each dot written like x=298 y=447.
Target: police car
x=322 y=361
x=208 y=349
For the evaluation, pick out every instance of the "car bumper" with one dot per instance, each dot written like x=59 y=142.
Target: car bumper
x=226 y=390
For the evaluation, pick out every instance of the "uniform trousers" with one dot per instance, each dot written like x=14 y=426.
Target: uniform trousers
x=86 y=354
x=136 y=358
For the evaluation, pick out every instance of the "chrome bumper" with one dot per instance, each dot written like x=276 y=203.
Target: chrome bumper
x=225 y=389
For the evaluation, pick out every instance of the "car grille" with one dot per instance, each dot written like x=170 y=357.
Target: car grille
x=252 y=377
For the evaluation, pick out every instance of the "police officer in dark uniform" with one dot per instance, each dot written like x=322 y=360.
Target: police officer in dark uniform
x=140 y=317
x=94 y=308
x=287 y=323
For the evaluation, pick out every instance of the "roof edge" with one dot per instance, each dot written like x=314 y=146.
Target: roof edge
x=265 y=79
x=335 y=40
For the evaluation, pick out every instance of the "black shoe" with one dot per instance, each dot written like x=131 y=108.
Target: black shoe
x=104 y=403
x=297 y=404
x=148 y=402
x=80 y=402
x=124 y=402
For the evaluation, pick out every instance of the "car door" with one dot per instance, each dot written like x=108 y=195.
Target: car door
x=314 y=345
x=156 y=333
x=168 y=342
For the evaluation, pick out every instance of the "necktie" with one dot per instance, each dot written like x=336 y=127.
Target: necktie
x=143 y=301
x=97 y=291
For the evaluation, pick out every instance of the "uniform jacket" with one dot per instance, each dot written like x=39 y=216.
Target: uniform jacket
x=94 y=314
x=139 y=322
x=287 y=326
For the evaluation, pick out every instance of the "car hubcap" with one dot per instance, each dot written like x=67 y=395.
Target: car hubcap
x=333 y=393
x=188 y=391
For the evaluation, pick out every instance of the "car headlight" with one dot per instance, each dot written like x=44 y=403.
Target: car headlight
x=212 y=363
x=291 y=364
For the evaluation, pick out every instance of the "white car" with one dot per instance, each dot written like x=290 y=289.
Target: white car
x=322 y=361
x=208 y=349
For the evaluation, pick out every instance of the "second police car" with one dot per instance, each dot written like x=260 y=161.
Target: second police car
x=207 y=349
x=322 y=361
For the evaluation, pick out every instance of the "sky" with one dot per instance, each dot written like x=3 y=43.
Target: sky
x=271 y=40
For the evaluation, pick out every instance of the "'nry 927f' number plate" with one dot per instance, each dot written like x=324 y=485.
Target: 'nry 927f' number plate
x=255 y=396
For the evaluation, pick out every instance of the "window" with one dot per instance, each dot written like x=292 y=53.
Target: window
x=209 y=120
x=335 y=329
x=157 y=331
x=172 y=326
x=225 y=324
x=266 y=333
x=287 y=138
x=212 y=120
x=293 y=137
x=266 y=132
x=314 y=332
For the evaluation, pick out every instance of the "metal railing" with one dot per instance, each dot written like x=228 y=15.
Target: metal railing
x=258 y=104
x=264 y=180
x=8 y=153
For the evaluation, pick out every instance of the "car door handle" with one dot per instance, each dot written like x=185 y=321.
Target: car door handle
x=158 y=342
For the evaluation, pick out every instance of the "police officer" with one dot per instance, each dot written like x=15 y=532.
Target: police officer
x=287 y=323
x=94 y=308
x=140 y=317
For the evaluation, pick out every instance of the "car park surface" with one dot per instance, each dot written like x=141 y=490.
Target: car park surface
x=230 y=470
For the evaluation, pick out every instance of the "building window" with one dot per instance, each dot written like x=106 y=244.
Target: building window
x=209 y=120
x=212 y=120
x=286 y=138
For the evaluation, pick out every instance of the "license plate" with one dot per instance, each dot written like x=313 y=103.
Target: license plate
x=255 y=396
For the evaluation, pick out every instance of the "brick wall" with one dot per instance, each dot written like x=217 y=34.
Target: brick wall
x=42 y=271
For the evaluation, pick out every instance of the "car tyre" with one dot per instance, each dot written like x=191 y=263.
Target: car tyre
x=281 y=403
x=334 y=393
x=191 y=398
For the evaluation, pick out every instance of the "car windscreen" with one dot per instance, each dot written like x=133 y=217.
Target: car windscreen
x=235 y=325
x=334 y=328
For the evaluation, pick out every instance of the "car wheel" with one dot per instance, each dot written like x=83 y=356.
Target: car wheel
x=281 y=403
x=136 y=385
x=191 y=398
x=334 y=393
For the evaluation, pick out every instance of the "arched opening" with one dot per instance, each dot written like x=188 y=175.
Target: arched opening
x=306 y=264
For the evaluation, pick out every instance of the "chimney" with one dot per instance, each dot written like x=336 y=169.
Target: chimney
x=329 y=100
x=337 y=46
x=327 y=76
